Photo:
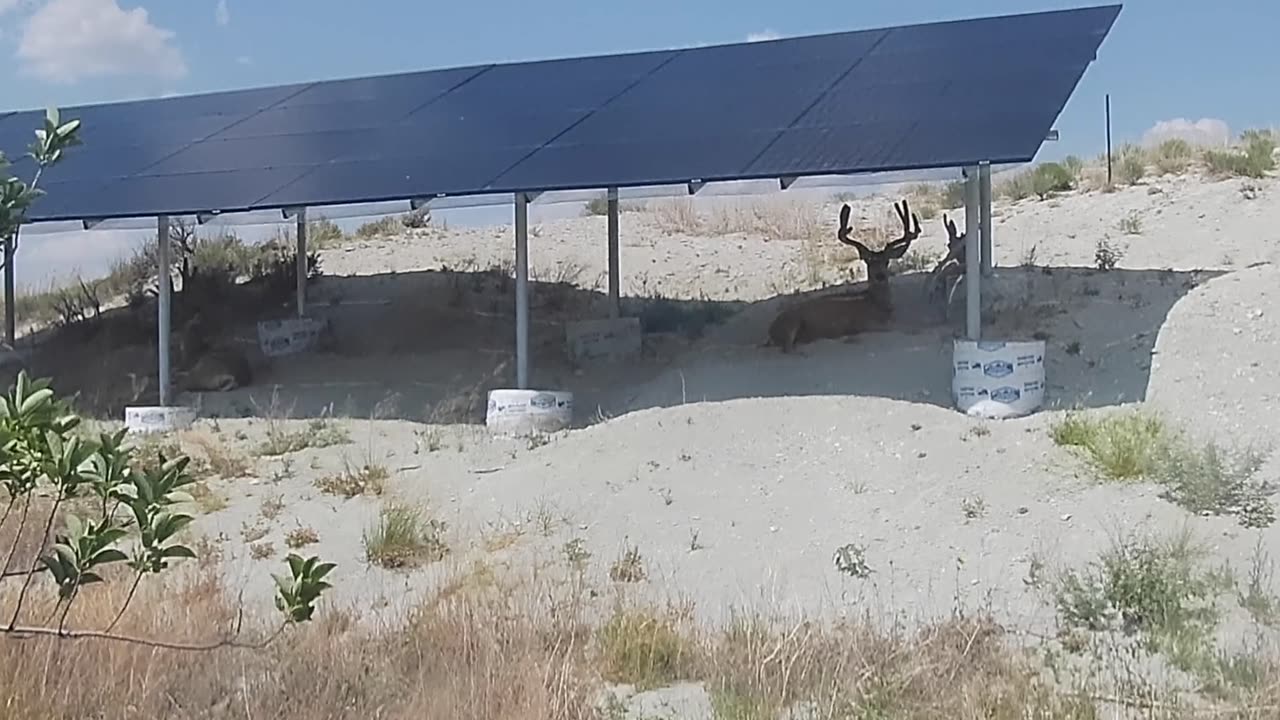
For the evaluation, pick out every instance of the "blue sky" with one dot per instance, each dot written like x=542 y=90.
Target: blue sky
x=1164 y=61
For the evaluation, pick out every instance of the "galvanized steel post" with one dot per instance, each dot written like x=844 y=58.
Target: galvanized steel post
x=522 y=291
x=984 y=217
x=301 y=261
x=615 y=272
x=163 y=306
x=973 y=258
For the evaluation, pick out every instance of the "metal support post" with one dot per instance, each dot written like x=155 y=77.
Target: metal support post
x=973 y=258
x=10 y=294
x=984 y=216
x=615 y=273
x=522 y=291
x=302 y=262
x=163 y=306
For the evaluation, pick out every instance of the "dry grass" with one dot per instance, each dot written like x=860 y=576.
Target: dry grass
x=403 y=537
x=770 y=219
x=1140 y=446
x=301 y=537
x=223 y=460
x=318 y=433
x=365 y=480
x=494 y=646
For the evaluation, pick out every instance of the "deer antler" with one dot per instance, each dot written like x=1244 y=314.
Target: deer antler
x=898 y=248
x=864 y=252
x=894 y=249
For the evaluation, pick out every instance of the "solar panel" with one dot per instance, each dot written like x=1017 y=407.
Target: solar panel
x=911 y=97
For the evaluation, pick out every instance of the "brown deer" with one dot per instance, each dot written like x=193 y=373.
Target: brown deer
x=945 y=277
x=205 y=367
x=834 y=316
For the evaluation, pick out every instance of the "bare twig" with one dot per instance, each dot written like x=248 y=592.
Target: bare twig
x=137 y=580
x=35 y=563
x=17 y=537
x=7 y=509
x=227 y=642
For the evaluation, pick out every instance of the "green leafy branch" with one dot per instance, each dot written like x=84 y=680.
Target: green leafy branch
x=16 y=197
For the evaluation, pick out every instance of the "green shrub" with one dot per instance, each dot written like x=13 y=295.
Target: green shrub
x=1130 y=165
x=1173 y=156
x=1050 y=178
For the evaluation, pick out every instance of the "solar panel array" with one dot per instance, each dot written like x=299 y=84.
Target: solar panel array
x=904 y=98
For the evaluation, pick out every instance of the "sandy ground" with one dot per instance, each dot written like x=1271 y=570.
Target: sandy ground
x=737 y=472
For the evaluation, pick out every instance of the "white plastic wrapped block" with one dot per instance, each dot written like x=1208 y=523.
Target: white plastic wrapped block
x=150 y=419
x=998 y=379
x=528 y=412
x=289 y=336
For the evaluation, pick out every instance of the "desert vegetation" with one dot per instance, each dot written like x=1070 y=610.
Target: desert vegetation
x=607 y=579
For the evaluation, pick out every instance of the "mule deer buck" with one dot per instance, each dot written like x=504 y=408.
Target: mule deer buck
x=834 y=316
x=946 y=276
x=206 y=367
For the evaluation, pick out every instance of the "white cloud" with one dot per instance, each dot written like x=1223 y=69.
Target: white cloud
x=222 y=14
x=762 y=36
x=70 y=40
x=1205 y=131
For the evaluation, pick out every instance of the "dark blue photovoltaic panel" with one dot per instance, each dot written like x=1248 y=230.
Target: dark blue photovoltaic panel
x=143 y=196
x=715 y=155
x=914 y=97
x=281 y=150
x=829 y=149
x=438 y=125
x=578 y=84
x=354 y=115
x=423 y=86
x=396 y=178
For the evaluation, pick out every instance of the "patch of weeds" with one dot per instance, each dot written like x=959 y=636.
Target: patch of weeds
x=1051 y=178
x=1131 y=224
x=694 y=543
x=576 y=553
x=431 y=439
x=537 y=440
x=979 y=431
x=222 y=460
x=1131 y=165
x=1107 y=255
x=1250 y=190
x=851 y=559
x=301 y=537
x=1257 y=598
x=629 y=566
x=207 y=499
x=271 y=507
x=643 y=648
x=319 y=433
x=1173 y=156
x=402 y=538
x=262 y=551
x=1210 y=480
x=253 y=533
x=1153 y=589
x=1072 y=348
x=973 y=507
x=1254 y=159
x=367 y=480
x=1205 y=479
x=1119 y=446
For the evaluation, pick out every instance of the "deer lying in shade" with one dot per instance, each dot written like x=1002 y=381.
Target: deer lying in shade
x=946 y=276
x=846 y=314
x=205 y=367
